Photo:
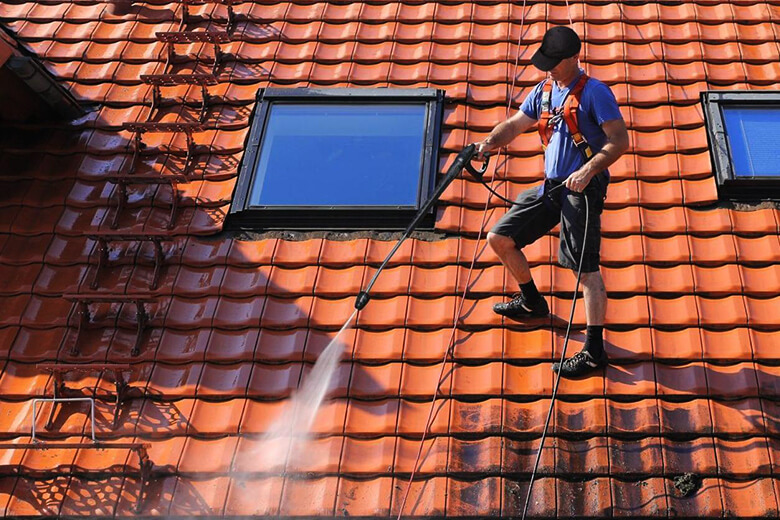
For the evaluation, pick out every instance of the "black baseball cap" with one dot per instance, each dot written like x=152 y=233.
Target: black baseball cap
x=558 y=44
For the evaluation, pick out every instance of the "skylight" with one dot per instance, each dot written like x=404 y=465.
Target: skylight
x=752 y=133
x=340 y=158
x=743 y=129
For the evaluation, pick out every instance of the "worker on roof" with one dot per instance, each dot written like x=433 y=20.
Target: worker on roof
x=582 y=133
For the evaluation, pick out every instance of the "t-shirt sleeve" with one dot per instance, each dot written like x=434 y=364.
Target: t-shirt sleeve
x=604 y=106
x=532 y=102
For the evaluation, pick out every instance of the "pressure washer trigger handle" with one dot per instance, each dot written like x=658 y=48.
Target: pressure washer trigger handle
x=477 y=174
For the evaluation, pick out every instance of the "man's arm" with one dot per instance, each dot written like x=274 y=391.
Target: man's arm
x=504 y=132
x=617 y=144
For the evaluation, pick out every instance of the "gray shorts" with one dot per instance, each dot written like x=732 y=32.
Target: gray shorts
x=536 y=212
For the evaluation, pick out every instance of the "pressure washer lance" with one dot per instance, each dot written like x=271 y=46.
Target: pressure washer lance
x=463 y=160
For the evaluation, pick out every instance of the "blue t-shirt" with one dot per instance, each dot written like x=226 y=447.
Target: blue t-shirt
x=597 y=105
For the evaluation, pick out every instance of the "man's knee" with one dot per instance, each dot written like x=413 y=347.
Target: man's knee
x=593 y=281
x=500 y=243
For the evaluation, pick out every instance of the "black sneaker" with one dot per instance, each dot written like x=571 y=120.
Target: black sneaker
x=519 y=307
x=580 y=364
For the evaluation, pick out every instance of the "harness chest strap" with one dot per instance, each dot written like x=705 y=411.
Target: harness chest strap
x=569 y=114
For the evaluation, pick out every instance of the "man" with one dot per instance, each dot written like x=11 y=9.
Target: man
x=569 y=107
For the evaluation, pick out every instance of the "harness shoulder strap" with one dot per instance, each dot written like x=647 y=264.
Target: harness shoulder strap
x=545 y=130
x=572 y=122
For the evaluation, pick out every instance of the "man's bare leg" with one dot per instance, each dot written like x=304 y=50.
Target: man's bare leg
x=530 y=304
x=595 y=298
x=512 y=258
x=592 y=355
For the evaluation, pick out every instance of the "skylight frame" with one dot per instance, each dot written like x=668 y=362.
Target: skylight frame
x=244 y=215
x=731 y=185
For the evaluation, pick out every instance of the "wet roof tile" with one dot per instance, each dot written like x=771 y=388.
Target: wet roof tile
x=630 y=380
x=273 y=381
x=732 y=381
x=646 y=498
x=739 y=416
x=467 y=416
x=224 y=380
x=377 y=347
x=681 y=380
x=327 y=314
x=685 y=417
x=371 y=417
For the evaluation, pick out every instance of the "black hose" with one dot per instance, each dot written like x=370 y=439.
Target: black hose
x=479 y=178
x=513 y=203
x=560 y=365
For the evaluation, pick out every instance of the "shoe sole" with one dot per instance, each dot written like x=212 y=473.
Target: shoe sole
x=522 y=316
x=586 y=374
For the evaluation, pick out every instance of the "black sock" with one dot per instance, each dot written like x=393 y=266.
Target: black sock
x=530 y=291
x=594 y=344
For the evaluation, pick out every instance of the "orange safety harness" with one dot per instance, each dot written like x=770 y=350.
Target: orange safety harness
x=548 y=120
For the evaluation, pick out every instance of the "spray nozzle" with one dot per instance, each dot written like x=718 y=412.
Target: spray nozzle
x=362 y=300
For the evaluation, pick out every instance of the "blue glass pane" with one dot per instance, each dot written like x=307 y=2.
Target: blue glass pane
x=753 y=140
x=340 y=155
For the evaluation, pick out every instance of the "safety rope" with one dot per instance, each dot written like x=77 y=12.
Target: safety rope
x=451 y=342
x=660 y=59
x=492 y=191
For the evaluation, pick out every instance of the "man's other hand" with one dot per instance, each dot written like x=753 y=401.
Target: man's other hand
x=577 y=181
